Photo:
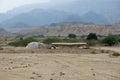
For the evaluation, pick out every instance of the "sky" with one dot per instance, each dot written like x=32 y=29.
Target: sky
x=6 y=5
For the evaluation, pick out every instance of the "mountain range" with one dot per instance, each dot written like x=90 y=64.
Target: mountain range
x=5 y=34
x=63 y=29
x=49 y=13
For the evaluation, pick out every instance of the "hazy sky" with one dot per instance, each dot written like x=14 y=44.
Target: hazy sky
x=6 y=5
x=9 y=4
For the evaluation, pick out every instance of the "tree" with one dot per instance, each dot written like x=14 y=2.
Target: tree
x=21 y=38
x=72 y=35
x=110 y=40
x=92 y=36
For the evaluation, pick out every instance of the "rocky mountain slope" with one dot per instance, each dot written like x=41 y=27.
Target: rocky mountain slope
x=85 y=11
x=5 y=34
x=63 y=29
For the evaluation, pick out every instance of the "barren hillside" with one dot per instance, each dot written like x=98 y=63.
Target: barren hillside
x=4 y=34
x=67 y=28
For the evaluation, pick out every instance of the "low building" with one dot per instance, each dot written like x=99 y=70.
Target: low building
x=78 y=45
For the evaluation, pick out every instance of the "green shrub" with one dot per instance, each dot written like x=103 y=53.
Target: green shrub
x=116 y=54
x=72 y=36
x=71 y=40
x=105 y=51
x=92 y=42
x=92 y=36
x=23 y=42
x=93 y=52
x=50 y=40
x=102 y=51
x=1 y=48
x=110 y=40
x=118 y=39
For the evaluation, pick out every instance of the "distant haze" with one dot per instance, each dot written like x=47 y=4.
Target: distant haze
x=30 y=13
x=6 y=5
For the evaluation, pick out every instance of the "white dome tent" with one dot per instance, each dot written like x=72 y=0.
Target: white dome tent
x=34 y=45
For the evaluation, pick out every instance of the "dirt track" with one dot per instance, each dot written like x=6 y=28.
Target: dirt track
x=59 y=67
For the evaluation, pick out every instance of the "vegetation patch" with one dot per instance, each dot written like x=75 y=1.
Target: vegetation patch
x=50 y=40
x=92 y=42
x=1 y=48
x=116 y=54
x=93 y=52
x=110 y=40
x=23 y=42
x=105 y=51
x=92 y=36
x=72 y=36
x=53 y=40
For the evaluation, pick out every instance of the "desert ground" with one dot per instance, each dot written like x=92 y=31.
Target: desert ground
x=59 y=64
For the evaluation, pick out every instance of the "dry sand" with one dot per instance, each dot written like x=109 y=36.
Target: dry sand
x=116 y=49
x=59 y=66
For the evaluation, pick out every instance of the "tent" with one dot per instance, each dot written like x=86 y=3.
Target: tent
x=34 y=45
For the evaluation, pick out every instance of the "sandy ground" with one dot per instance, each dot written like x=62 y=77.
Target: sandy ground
x=116 y=49
x=59 y=66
